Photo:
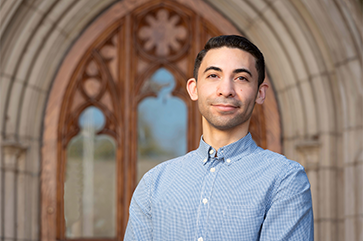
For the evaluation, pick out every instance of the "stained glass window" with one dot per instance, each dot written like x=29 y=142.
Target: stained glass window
x=162 y=123
x=90 y=186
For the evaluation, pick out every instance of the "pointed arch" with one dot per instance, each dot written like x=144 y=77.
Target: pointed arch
x=106 y=67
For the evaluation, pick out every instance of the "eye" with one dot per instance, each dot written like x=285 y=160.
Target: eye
x=212 y=76
x=242 y=78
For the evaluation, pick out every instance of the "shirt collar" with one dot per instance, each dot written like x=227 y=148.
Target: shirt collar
x=229 y=153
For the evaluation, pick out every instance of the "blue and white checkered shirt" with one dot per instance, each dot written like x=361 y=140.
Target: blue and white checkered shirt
x=245 y=193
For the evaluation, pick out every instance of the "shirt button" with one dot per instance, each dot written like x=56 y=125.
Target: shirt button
x=211 y=152
x=200 y=239
x=205 y=160
x=205 y=201
x=228 y=160
x=212 y=169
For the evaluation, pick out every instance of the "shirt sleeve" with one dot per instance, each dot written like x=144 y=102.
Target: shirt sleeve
x=139 y=226
x=290 y=216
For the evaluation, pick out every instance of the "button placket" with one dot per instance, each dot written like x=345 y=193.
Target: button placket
x=206 y=192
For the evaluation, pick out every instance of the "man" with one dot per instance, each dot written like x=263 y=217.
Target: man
x=229 y=188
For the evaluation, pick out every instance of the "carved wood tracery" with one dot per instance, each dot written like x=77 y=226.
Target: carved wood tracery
x=92 y=84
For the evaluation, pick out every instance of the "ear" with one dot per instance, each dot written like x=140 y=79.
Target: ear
x=192 y=89
x=261 y=95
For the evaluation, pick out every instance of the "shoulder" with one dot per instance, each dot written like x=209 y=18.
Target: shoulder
x=168 y=168
x=165 y=176
x=291 y=175
x=277 y=161
x=170 y=164
x=283 y=171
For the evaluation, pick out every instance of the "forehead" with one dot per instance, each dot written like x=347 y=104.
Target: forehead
x=228 y=58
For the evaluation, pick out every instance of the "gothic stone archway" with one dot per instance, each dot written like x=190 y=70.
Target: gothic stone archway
x=107 y=68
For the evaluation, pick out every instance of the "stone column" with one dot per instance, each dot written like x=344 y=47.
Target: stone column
x=309 y=156
x=359 y=173
x=12 y=186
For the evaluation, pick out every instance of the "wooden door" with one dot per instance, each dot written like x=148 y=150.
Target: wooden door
x=110 y=77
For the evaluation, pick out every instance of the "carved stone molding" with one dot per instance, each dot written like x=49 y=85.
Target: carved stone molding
x=12 y=151
x=309 y=154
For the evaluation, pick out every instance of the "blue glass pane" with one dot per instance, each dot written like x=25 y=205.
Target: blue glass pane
x=90 y=181
x=162 y=123
x=92 y=118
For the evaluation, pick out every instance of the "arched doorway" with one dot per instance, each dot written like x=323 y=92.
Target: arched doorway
x=109 y=69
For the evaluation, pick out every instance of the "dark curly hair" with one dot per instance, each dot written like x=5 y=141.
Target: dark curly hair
x=233 y=41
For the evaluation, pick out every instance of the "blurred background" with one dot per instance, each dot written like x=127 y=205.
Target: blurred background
x=93 y=95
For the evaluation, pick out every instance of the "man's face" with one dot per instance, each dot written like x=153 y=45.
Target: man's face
x=227 y=88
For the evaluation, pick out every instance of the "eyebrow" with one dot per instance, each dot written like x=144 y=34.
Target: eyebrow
x=236 y=71
x=212 y=68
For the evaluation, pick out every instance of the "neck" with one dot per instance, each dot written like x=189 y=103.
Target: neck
x=218 y=138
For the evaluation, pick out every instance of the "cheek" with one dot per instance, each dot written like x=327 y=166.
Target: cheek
x=248 y=92
x=205 y=92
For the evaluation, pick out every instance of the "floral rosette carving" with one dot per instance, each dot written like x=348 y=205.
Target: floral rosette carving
x=162 y=33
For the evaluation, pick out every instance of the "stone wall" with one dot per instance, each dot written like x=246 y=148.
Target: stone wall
x=313 y=52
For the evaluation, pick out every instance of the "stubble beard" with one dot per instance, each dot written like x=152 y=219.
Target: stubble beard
x=227 y=121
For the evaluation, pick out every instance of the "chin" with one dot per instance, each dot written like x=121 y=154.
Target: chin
x=227 y=122
x=227 y=125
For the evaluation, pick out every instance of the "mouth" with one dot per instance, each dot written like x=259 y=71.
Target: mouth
x=225 y=107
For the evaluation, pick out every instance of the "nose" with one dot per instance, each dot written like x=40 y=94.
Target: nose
x=226 y=88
